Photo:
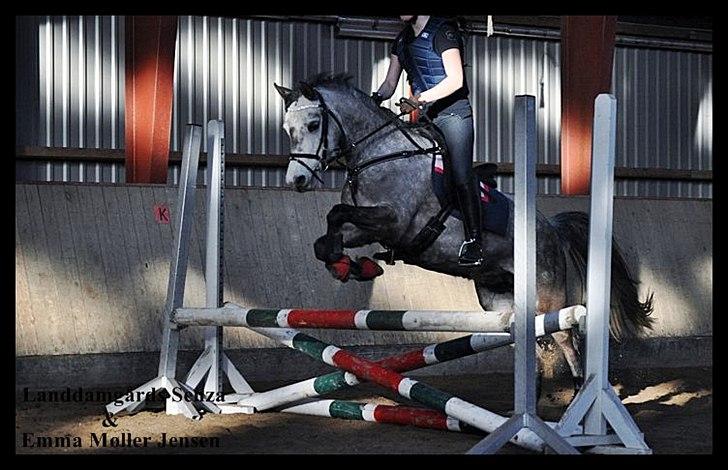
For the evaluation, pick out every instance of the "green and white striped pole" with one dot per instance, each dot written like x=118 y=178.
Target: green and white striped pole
x=431 y=397
x=380 y=320
x=416 y=359
x=376 y=413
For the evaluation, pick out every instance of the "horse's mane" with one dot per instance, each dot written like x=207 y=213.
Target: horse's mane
x=341 y=82
x=328 y=79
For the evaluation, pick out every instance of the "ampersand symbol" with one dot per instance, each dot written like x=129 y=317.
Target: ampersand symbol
x=109 y=421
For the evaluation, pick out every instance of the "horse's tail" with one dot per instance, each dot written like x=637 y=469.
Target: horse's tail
x=628 y=314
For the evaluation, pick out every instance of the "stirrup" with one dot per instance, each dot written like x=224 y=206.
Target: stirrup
x=467 y=262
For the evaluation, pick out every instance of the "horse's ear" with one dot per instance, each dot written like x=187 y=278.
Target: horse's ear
x=308 y=91
x=288 y=95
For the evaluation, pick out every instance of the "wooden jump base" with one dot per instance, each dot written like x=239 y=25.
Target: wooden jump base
x=606 y=422
x=382 y=320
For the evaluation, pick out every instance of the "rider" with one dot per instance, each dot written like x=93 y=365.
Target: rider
x=430 y=49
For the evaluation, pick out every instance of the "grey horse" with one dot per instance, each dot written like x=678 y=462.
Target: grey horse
x=389 y=200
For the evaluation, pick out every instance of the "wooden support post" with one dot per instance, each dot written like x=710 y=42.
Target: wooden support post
x=149 y=91
x=587 y=50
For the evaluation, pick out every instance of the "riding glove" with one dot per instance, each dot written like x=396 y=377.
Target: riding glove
x=407 y=105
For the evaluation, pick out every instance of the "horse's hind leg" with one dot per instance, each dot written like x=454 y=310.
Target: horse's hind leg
x=503 y=302
x=568 y=345
x=553 y=295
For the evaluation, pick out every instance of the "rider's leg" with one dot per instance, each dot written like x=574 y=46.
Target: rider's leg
x=458 y=133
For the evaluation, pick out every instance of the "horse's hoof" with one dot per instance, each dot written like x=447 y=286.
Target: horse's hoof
x=578 y=383
x=368 y=269
x=340 y=269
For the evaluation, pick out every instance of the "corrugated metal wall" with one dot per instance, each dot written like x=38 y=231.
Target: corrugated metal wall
x=26 y=80
x=225 y=68
x=81 y=92
x=665 y=117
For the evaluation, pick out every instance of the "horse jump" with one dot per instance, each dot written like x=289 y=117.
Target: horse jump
x=383 y=320
x=494 y=329
x=412 y=360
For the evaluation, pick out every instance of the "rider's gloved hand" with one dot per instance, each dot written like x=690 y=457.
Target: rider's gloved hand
x=377 y=98
x=407 y=105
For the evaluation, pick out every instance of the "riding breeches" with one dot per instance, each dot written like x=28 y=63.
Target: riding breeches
x=456 y=125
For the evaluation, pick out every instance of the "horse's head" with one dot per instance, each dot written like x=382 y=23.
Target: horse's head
x=314 y=132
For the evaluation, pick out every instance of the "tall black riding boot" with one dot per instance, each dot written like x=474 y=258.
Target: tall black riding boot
x=471 y=253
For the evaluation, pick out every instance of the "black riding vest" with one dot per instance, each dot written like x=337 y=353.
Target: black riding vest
x=422 y=63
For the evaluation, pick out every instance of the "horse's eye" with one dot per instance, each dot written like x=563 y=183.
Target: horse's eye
x=313 y=126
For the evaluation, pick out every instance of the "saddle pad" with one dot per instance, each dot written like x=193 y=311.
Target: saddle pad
x=494 y=204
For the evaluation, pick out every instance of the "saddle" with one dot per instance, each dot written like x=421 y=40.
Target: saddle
x=494 y=206
x=495 y=209
x=486 y=173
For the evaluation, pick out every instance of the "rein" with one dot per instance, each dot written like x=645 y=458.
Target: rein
x=325 y=156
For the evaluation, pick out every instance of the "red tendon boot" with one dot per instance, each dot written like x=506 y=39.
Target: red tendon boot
x=369 y=269
x=340 y=269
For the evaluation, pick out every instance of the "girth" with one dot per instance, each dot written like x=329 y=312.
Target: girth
x=422 y=241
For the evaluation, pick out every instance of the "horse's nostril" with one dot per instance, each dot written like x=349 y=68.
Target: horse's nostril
x=299 y=181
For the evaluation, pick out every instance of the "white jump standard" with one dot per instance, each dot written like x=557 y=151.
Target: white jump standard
x=596 y=404
x=175 y=293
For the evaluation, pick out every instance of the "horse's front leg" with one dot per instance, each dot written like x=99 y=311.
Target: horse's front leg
x=349 y=227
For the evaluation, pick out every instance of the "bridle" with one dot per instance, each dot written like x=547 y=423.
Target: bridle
x=325 y=156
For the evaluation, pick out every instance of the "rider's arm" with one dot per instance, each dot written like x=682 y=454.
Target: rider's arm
x=386 y=90
x=393 y=73
x=451 y=83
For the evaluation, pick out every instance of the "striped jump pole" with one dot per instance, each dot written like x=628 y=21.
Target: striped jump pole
x=416 y=359
x=449 y=404
x=381 y=320
x=376 y=413
x=412 y=360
